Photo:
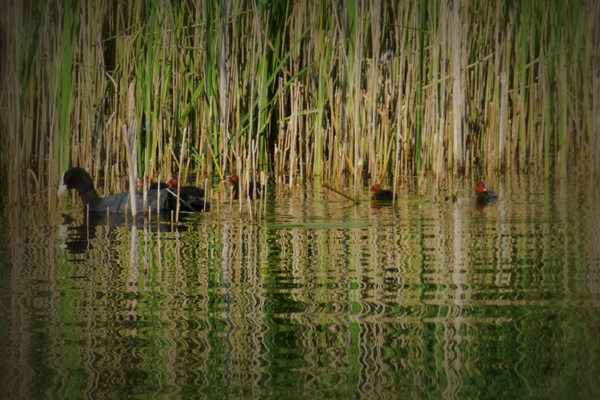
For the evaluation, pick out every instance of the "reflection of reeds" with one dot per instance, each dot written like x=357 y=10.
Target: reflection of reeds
x=388 y=300
x=336 y=90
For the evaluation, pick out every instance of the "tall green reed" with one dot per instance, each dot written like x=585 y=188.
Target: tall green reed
x=298 y=89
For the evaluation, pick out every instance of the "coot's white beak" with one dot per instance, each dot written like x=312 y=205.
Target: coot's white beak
x=62 y=188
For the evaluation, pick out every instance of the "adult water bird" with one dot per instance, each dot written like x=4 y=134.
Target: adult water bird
x=78 y=179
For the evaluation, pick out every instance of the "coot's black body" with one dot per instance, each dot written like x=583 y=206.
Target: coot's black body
x=78 y=179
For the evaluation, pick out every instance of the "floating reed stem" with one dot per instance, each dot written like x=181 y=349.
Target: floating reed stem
x=342 y=194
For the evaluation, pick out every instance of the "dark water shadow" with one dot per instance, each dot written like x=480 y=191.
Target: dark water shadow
x=79 y=235
x=481 y=204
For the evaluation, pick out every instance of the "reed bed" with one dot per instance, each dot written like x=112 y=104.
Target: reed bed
x=340 y=91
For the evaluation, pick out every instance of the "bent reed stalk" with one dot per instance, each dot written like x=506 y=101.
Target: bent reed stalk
x=344 y=90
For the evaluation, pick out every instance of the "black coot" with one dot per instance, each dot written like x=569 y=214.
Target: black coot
x=78 y=179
